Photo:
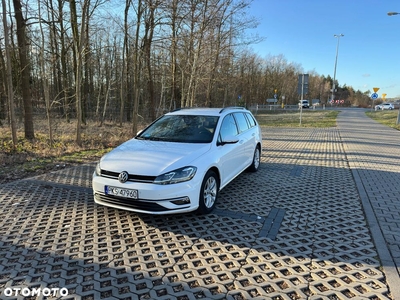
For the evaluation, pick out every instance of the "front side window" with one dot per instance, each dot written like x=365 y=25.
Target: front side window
x=228 y=127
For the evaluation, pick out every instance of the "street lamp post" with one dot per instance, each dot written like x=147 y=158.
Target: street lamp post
x=393 y=13
x=338 y=36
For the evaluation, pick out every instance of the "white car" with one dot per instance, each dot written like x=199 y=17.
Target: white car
x=389 y=106
x=304 y=104
x=180 y=162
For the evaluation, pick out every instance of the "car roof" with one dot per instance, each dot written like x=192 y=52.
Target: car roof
x=204 y=111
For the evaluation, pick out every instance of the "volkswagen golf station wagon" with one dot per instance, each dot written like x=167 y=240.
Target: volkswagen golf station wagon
x=180 y=162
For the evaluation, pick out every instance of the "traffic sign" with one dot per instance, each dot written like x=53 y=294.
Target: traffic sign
x=302 y=86
x=374 y=96
x=375 y=89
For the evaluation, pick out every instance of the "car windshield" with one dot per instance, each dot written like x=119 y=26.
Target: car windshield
x=181 y=129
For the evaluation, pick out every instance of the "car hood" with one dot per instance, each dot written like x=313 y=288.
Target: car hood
x=151 y=158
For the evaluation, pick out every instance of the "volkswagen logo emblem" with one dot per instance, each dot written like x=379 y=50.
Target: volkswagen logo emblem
x=123 y=177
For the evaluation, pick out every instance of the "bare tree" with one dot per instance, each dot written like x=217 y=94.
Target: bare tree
x=81 y=47
x=174 y=31
x=10 y=91
x=24 y=69
x=62 y=68
x=78 y=54
x=137 y=65
x=150 y=24
x=44 y=76
x=125 y=63
x=4 y=84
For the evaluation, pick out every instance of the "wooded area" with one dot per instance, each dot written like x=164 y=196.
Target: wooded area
x=132 y=61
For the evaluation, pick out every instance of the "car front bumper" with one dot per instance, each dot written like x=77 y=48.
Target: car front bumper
x=152 y=198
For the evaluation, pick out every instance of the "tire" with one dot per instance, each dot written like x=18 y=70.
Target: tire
x=256 y=160
x=208 y=193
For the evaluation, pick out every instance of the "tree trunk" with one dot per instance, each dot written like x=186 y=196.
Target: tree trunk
x=63 y=60
x=149 y=30
x=44 y=76
x=24 y=70
x=4 y=82
x=137 y=70
x=9 y=79
x=174 y=19
x=125 y=64
x=78 y=69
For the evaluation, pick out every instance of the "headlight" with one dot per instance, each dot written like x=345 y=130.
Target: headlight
x=179 y=175
x=98 y=169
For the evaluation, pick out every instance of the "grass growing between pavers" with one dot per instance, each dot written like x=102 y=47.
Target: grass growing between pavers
x=309 y=118
x=385 y=117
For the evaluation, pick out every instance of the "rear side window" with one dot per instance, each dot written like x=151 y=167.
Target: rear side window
x=242 y=122
x=251 y=120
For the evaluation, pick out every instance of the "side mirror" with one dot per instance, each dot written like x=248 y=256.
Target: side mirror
x=230 y=139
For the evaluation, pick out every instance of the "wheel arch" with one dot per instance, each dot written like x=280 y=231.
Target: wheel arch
x=216 y=170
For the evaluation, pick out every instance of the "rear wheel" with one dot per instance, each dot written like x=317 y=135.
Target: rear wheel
x=256 y=160
x=208 y=193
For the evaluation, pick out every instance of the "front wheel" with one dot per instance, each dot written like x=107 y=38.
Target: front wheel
x=256 y=160
x=208 y=193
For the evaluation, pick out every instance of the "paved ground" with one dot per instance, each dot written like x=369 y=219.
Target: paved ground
x=320 y=220
x=373 y=152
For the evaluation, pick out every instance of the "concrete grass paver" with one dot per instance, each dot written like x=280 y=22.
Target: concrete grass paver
x=294 y=230
x=373 y=152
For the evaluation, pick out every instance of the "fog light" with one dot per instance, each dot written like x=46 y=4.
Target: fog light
x=181 y=201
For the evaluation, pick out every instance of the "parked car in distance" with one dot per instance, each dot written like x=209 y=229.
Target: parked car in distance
x=387 y=106
x=304 y=104
x=180 y=162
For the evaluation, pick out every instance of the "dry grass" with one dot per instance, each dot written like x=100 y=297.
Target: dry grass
x=40 y=155
x=291 y=118
x=385 y=117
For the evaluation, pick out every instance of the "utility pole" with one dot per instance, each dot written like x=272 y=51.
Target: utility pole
x=338 y=36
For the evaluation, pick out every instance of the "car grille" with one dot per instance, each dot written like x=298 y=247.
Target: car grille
x=131 y=177
x=129 y=203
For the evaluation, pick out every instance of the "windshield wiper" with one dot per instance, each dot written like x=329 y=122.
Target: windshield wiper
x=151 y=138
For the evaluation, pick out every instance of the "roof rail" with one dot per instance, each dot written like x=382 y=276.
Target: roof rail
x=231 y=107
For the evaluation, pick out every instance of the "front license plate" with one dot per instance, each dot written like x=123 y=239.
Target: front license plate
x=116 y=191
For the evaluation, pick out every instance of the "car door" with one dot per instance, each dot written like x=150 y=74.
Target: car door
x=230 y=154
x=247 y=136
